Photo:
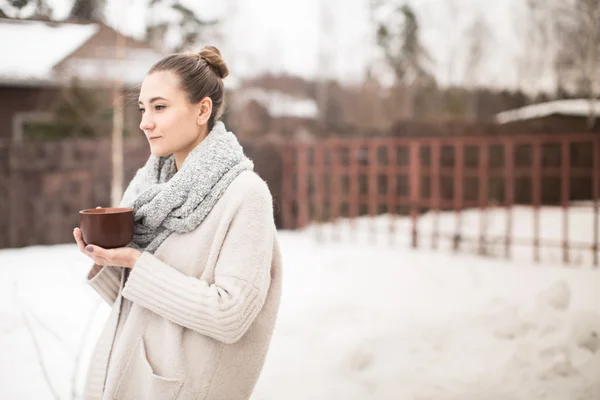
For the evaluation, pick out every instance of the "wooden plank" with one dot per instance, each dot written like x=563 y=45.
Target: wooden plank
x=372 y=183
x=414 y=190
x=302 y=195
x=596 y=197
x=288 y=193
x=391 y=189
x=435 y=192
x=483 y=196
x=565 y=191
x=509 y=194
x=536 y=187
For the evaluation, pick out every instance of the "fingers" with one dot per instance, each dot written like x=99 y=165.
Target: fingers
x=86 y=249
x=79 y=239
x=95 y=250
x=100 y=255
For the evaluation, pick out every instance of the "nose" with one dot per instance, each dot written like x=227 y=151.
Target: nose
x=146 y=124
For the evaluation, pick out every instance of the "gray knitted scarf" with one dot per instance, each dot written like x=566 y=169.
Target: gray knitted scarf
x=165 y=200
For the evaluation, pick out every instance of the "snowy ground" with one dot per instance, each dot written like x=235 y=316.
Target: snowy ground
x=359 y=320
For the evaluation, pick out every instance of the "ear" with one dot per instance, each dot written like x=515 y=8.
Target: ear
x=204 y=111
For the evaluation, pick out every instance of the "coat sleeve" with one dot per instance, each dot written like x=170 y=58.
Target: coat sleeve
x=225 y=309
x=106 y=281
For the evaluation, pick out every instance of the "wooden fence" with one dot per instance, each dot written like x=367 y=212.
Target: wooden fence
x=43 y=185
x=334 y=179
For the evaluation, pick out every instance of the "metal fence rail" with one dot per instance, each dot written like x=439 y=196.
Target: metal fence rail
x=347 y=178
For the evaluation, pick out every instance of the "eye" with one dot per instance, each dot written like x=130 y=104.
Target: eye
x=142 y=110
x=159 y=107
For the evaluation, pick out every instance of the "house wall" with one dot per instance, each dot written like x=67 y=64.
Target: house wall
x=14 y=100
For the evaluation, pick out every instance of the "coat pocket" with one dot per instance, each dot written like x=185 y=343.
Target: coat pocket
x=140 y=382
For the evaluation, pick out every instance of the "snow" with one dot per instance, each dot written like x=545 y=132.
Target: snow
x=571 y=107
x=280 y=104
x=360 y=319
x=31 y=49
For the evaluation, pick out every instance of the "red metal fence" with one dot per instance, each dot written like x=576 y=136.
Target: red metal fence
x=331 y=179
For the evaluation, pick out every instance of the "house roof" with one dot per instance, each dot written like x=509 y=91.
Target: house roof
x=572 y=107
x=43 y=53
x=30 y=49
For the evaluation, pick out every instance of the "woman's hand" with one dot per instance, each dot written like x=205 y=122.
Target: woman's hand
x=122 y=257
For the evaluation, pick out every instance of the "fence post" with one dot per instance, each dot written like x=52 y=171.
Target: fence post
x=536 y=195
x=373 y=183
x=318 y=199
x=596 y=196
x=565 y=191
x=483 y=196
x=392 y=189
x=509 y=184
x=353 y=200
x=414 y=187
x=302 y=194
x=435 y=191
x=335 y=188
x=458 y=192
x=287 y=195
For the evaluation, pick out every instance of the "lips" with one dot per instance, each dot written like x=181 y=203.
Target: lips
x=154 y=137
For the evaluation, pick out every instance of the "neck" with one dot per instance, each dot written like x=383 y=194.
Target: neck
x=181 y=155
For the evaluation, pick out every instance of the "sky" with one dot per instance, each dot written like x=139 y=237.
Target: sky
x=285 y=36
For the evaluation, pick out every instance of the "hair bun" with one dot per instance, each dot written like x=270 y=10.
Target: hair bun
x=212 y=56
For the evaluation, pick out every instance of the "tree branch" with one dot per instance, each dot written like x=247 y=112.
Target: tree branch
x=43 y=325
x=82 y=343
x=38 y=350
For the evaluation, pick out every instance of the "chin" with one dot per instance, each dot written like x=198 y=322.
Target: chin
x=158 y=152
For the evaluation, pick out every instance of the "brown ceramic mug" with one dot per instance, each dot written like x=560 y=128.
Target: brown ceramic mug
x=108 y=228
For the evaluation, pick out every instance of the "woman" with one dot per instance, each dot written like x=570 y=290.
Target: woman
x=194 y=298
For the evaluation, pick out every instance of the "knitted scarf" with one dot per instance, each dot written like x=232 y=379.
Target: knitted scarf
x=165 y=200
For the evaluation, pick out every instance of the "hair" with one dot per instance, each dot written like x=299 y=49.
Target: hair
x=201 y=75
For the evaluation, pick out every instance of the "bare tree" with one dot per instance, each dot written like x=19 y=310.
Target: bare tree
x=38 y=9
x=325 y=60
x=578 y=31
x=453 y=12
x=183 y=30
x=591 y=11
x=564 y=36
x=88 y=10
x=27 y=315
x=399 y=38
x=535 y=30
x=478 y=38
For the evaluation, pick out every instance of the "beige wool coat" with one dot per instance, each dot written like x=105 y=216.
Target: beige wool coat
x=194 y=320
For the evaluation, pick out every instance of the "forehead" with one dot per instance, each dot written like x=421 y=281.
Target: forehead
x=162 y=83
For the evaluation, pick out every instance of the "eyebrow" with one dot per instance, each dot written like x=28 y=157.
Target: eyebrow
x=152 y=100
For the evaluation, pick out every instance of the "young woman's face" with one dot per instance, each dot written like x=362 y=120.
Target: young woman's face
x=170 y=122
